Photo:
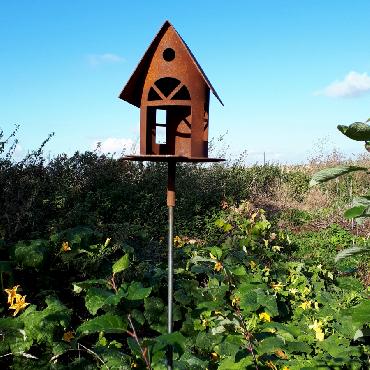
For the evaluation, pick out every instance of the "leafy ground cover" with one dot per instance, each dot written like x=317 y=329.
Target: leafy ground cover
x=83 y=267
x=243 y=299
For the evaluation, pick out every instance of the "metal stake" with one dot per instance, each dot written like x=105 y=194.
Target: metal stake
x=171 y=197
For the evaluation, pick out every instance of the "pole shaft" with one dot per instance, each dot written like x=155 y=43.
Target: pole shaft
x=171 y=205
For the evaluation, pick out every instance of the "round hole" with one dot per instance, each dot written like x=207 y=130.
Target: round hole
x=169 y=54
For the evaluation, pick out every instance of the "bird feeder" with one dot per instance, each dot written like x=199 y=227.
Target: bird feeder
x=172 y=92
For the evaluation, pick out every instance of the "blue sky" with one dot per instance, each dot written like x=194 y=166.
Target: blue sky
x=288 y=71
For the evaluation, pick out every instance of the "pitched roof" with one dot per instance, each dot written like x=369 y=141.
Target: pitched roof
x=133 y=90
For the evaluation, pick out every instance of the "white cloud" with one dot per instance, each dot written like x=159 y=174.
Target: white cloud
x=97 y=59
x=353 y=85
x=115 y=145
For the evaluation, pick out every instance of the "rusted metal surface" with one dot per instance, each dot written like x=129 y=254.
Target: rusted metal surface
x=170 y=81
x=170 y=158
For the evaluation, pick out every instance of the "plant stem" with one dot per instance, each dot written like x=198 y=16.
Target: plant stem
x=144 y=351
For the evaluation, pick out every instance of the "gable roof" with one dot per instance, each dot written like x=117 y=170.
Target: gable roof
x=133 y=90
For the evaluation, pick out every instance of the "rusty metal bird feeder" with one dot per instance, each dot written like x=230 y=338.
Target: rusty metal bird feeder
x=172 y=92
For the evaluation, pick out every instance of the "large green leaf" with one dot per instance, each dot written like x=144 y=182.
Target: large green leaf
x=348 y=252
x=270 y=345
x=107 y=323
x=176 y=340
x=298 y=347
x=355 y=212
x=229 y=363
x=361 y=312
x=33 y=253
x=358 y=131
x=96 y=298
x=122 y=264
x=136 y=291
x=332 y=173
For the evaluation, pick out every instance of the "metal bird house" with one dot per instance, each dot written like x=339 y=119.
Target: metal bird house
x=172 y=92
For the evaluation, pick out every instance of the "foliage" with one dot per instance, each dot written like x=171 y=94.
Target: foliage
x=82 y=237
x=360 y=210
x=241 y=301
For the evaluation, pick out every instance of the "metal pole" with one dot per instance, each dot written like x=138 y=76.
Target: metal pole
x=171 y=205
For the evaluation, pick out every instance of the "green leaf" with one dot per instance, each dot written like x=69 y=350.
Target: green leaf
x=364 y=200
x=154 y=308
x=217 y=252
x=31 y=254
x=348 y=252
x=229 y=363
x=332 y=173
x=361 y=312
x=298 y=347
x=354 y=212
x=176 y=340
x=96 y=298
x=239 y=271
x=358 y=131
x=335 y=346
x=107 y=323
x=122 y=264
x=269 y=302
x=270 y=345
x=136 y=291
x=134 y=347
x=78 y=287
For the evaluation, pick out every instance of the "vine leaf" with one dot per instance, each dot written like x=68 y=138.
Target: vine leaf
x=332 y=173
x=96 y=298
x=176 y=340
x=354 y=212
x=358 y=131
x=107 y=323
x=122 y=264
x=348 y=252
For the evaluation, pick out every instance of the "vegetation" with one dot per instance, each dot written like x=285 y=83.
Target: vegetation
x=360 y=209
x=83 y=266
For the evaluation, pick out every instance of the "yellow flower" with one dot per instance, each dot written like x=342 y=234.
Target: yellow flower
x=320 y=336
x=19 y=304
x=65 y=247
x=107 y=241
x=281 y=354
x=306 y=290
x=285 y=368
x=218 y=266
x=252 y=264
x=276 y=248
x=305 y=305
x=316 y=306
x=68 y=336
x=12 y=293
x=293 y=291
x=265 y=317
x=235 y=301
x=177 y=240
x=277 y=286
x=215 y=356
x=271 y=365
x=317 y=327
